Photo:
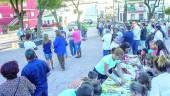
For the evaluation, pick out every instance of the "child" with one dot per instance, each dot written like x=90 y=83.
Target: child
x=144 y=79
x=138 y=89
x=47 y=50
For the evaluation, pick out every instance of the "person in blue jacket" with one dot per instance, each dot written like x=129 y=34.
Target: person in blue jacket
x=60 y=48
x=36 y=71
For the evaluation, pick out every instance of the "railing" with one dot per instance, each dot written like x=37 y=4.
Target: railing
x=13 y=22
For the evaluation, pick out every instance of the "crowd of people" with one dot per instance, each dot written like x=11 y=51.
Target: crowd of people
x=120 y=42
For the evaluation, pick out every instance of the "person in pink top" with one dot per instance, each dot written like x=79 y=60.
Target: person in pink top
x=77 y=41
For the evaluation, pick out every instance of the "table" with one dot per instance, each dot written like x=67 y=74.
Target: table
x=110 y=89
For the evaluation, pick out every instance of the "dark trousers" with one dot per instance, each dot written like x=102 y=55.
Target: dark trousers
x=135 y=46
x=61 y=60
x=72 y=47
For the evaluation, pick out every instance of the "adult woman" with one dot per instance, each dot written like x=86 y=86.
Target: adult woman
x=159 y=84
x=161 y=48
x=47 y=50
x=108 y=64
x=60 y=48
x=14 y=86
x=77 y=41
x=158 y=34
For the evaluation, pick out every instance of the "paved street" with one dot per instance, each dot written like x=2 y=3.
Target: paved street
x=75 y=68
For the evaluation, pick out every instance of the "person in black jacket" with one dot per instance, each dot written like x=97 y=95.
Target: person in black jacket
x=143 y=35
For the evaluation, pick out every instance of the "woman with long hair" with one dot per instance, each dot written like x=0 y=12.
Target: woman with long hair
x=47 y=44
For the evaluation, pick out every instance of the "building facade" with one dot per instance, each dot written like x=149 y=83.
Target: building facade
x=8 y=16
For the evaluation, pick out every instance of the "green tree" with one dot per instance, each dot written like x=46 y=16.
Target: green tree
x=76 y=4
x=167 y=11
x=17 y=6
x=42 y=4
x=151 y=9
x=53 y=5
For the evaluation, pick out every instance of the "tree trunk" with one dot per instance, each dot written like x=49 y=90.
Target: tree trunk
x=54 y=13
x=78 y=19
x=39 y=23
x=20 y=20
x=125 y=12
x=150 y=16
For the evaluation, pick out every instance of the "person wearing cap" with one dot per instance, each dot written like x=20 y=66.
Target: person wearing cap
x=107 y=39
x=36 y=71
x=107 y=65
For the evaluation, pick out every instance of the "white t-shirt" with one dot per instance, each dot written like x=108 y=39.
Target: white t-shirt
x=29 y=45
x=158 y=36
x=107 y=41
x=160 y=85
x=137 y=33
x=114 y=45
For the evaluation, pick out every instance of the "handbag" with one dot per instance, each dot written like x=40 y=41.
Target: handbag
x=17 y=87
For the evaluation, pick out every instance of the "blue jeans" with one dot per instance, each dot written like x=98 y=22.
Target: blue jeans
x=106 y=52
x=72 y=47
x=77 y=46
x=135 y=46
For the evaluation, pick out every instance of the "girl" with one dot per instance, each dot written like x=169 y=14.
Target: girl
x=47 y=50
x=161 y=48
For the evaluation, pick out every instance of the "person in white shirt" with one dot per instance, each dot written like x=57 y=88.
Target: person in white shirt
x=137 y=33
x=28 y=44
x=160 y=85
x=107 y=42
x=165 y=29
x=158 y=34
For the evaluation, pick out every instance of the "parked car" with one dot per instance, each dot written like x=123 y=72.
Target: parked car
x=88 y=21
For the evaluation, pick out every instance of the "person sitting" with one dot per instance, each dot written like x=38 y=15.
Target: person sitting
x=15 y=85
x=86 y=89
x=36 y=71
x=92 y=75
x=161 y=48
x=138 y=89
x=108 y=64
x=97 y=88
x=125 y=47
x=159 y=84
x=28 y=44
x=144 y=79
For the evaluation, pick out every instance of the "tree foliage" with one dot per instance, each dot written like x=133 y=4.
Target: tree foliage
x=17 y=6
x=167 y=11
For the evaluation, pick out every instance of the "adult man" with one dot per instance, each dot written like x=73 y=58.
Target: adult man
x=36 y=71
x=107 y=42
x=143 y=35
x=136 y=40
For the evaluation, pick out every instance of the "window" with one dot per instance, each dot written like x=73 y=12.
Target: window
x=0 y=15
x=132 y=16
x=141 y=17
x=45 y=22
x=53 y=21
x=32 y=14
x=48 y=21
